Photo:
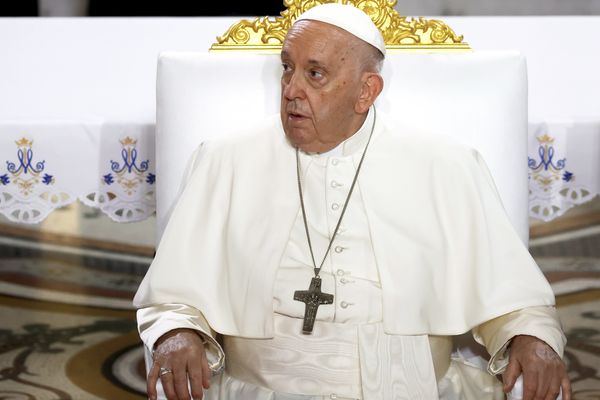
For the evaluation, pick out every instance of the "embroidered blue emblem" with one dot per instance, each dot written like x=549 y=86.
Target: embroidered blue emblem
x=127 y=172
x=25 y=174
x=546 y=171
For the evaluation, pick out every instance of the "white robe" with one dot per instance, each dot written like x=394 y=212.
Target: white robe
x=440 y=257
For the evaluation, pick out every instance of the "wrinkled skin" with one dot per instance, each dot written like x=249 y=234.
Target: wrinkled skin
x=182 y=351
x=327 y=85
x=544 y=373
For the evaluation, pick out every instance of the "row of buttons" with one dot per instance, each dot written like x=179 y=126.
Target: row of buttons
x=339 y=249
x=343 y=279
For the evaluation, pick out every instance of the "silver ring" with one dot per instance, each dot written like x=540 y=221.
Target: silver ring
x=164 y=371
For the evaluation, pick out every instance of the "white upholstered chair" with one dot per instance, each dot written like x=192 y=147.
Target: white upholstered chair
x=480 y=98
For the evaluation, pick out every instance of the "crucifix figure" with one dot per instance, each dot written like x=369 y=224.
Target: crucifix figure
x=313 y=298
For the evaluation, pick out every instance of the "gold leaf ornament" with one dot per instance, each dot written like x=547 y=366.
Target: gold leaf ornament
x=401 y=34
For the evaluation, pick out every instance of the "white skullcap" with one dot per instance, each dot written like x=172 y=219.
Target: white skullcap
x=350 y=19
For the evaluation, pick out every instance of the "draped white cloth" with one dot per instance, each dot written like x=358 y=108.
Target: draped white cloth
x=446 y=252
x=48 y=163
x=350 y=354
x=564 y=167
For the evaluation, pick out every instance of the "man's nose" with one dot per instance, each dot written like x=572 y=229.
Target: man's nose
x=293 y=88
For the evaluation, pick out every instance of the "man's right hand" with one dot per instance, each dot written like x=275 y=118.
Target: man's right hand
x=182 y=352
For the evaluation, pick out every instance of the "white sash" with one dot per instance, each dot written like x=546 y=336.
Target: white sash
x=343 y=360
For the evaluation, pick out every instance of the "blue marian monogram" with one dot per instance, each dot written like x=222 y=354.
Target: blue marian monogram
x=546 y=171
x=128 y=174
x=24 y=174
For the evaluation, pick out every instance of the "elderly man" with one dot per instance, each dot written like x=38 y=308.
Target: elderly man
x=328 y=273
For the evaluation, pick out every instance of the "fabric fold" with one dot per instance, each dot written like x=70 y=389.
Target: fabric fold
x=395 y=367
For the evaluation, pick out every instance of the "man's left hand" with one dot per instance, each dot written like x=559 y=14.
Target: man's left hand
x=544 y=373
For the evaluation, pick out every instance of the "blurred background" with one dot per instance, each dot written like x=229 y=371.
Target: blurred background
x=70 y=263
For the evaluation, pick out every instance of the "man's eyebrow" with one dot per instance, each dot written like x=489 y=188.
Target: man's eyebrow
x=316 y=62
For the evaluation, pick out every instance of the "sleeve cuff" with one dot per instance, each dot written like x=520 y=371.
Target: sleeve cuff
x=541 y=322
x=155 y=321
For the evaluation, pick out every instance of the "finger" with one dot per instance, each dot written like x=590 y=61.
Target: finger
x=530 y=383
x=544 y=381
x=151 y=381
x=206 y=374
x=196 y=376
x=180 y=381
x=510 y=375
x=168 y=386
x=553 y=391
x=566 y=389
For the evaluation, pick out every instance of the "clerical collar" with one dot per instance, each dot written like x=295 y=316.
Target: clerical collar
x=353 y=144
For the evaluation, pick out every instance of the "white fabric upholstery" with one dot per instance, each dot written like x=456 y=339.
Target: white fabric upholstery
x=479 y=98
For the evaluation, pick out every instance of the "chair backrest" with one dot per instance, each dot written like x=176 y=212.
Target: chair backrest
x=479 y=98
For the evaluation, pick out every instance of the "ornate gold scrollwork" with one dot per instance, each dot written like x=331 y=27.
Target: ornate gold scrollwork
x=400 y=33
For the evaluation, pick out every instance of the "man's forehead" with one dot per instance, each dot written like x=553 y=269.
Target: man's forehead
x=316 y=36
x=316 y=28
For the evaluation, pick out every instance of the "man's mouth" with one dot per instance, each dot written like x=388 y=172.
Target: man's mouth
x=296 y=116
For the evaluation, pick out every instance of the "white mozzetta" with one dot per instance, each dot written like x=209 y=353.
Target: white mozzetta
x=440 y=210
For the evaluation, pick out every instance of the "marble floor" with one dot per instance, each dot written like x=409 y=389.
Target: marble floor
x=68 y=331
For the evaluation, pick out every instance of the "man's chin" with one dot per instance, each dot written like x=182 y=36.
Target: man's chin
x=297 y=137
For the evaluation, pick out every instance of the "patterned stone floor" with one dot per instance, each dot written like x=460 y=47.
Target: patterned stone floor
x=67 y=330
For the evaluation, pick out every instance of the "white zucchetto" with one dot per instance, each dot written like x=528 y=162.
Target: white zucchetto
x=350 y=19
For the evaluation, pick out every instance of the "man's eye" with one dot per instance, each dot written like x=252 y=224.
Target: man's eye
x=316 y=74
x=285 y=66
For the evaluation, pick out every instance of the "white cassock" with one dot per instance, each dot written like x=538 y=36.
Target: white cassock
x=386 y=336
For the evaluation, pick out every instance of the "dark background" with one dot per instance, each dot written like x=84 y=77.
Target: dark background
x=140 y=8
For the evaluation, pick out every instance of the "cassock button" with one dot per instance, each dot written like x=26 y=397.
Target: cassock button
x=335 y=161
x=343 y=304
x=335 y=184
x=339 y=249
x=335 y=206
x=333 y=396
x=340 y=272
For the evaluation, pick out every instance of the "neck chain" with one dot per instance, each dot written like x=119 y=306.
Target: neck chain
x=318 y=269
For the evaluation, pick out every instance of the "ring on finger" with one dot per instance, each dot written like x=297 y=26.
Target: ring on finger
x=164 y=371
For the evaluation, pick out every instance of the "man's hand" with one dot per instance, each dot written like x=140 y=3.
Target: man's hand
x=544 y=373
x=181 y=351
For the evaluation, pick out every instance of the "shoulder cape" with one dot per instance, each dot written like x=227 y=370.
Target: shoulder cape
x=448 y=256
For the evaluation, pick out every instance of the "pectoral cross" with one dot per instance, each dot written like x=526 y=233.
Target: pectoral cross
x=313 y=298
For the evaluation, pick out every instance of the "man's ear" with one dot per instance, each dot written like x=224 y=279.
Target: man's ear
x=372 y=85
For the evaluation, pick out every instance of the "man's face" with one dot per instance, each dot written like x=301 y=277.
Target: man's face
x=320 y=85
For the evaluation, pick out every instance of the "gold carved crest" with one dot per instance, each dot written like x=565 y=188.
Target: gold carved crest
x=401 y=34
